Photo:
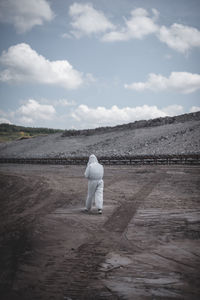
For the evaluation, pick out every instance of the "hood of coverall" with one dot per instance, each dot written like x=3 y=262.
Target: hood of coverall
x=94 y=170
x=92 y=159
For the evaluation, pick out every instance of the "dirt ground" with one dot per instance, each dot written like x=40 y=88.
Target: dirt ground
x=145 y=245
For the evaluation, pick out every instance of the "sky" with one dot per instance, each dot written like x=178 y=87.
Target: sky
x=85 y=64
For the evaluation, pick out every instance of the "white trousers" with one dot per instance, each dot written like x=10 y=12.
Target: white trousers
x=95 y=194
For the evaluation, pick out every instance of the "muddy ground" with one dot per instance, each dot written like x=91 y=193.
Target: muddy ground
x=145 y=245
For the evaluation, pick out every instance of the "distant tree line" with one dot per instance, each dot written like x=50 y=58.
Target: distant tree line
x=4 y=127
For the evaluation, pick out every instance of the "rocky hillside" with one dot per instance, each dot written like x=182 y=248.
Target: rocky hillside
x=170 y=135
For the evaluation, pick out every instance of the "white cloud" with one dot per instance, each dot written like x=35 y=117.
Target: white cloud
x=33 y=111
x=195 y=108
x=25 y=65
x=94 y=117
x=86 y=20
x=64 y=102
x=25 y=14
x=4 y=117
x=182 y=82
x=25 y=121
x=173 y=110
x=89 y=78
x=137 y=27
x=65 y=36
x=4 y=120
x=179 y=37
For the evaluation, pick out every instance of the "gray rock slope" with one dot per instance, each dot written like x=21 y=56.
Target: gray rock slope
x=175 y=135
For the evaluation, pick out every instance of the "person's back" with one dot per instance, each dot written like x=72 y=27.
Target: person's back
x=94 y=173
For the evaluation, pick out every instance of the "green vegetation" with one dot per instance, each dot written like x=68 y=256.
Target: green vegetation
x=13 y=132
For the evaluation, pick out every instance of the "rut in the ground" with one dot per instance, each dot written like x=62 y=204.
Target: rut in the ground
x=77 y=276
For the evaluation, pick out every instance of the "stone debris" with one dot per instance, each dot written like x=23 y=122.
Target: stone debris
x=162 y=136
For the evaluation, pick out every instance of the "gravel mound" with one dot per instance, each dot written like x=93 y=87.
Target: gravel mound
x=175 y=135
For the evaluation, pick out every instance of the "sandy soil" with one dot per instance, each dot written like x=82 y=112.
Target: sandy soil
x=145 y=245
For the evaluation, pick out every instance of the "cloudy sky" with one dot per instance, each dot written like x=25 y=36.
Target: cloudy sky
x=85 y=64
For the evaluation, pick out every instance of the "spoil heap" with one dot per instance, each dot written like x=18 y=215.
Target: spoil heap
x=161 y=136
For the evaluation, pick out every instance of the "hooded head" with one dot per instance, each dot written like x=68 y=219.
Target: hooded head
x=94 y=170
x=92 y=159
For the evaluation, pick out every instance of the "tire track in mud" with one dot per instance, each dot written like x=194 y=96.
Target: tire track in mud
x=125 y=212
x=77 y=276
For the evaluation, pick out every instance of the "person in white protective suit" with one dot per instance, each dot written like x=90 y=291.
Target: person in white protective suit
x=94 y=173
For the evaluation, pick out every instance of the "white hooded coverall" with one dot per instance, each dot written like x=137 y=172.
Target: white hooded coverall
x=94 y=174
